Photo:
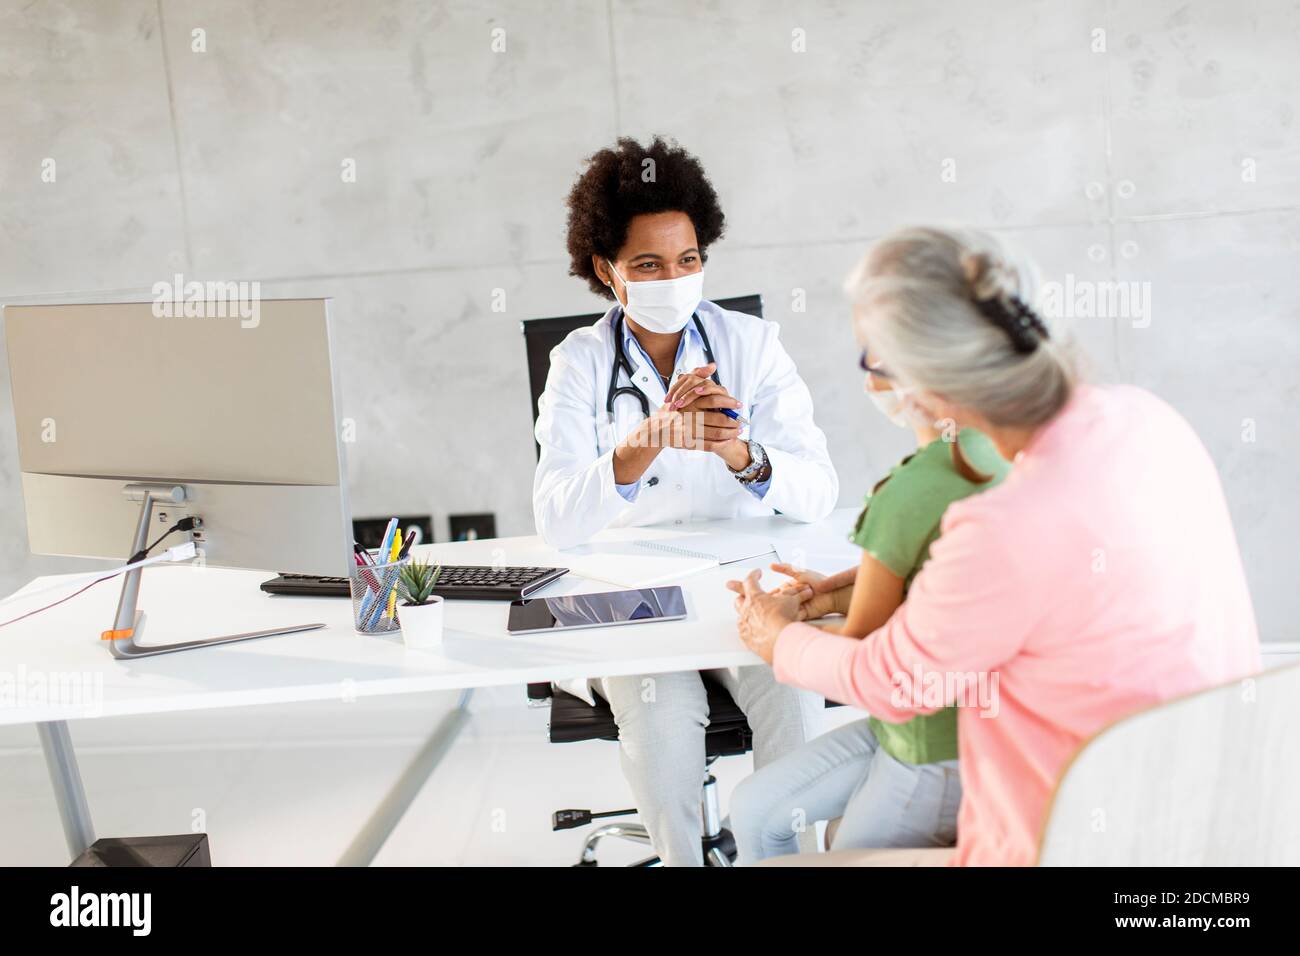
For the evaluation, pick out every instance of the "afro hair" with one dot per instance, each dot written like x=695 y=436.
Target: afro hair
x=631 y=180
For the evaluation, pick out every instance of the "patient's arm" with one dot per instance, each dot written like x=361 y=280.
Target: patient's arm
x=875 y=594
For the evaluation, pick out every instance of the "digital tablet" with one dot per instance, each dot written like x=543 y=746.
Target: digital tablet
x=606 y=609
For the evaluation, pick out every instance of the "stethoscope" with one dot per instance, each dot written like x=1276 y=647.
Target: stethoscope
x=621 y=363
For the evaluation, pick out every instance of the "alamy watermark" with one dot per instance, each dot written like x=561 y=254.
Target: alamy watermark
x=177 y=299
x=933 y=690
x=24 y=687
x=133 y=911
x=1077 y=298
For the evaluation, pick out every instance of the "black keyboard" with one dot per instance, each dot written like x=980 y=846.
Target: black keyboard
x=466 y=582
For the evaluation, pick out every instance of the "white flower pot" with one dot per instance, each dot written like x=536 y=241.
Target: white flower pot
x=421 y=623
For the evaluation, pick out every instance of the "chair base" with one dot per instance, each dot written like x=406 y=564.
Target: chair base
x=717 y=843
x=719 y=850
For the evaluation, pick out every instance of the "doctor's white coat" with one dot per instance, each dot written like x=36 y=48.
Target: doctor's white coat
x=574 y=494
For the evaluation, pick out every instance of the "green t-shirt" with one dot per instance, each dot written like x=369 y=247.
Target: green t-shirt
x=897 y=527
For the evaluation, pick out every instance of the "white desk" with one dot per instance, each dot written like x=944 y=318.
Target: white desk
x=56 y=668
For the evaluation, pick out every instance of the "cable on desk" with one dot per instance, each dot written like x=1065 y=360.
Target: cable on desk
x=139 y=559
x=61 y=600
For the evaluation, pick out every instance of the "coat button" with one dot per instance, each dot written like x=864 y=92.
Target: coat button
x=645 y=378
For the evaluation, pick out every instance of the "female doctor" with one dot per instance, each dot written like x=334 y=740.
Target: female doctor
x=634 y=430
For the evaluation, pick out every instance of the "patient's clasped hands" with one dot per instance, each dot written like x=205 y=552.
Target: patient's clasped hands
x=761 y=615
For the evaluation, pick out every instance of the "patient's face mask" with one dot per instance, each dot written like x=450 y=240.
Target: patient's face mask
x=663 y=305
x=889 y=404
x=898 y=406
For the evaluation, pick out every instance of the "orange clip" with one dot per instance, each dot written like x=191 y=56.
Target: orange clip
x=117 y=635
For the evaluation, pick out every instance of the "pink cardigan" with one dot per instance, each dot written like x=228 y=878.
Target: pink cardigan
x=1100 y=577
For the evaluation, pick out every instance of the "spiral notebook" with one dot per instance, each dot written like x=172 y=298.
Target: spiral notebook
x=643 y=557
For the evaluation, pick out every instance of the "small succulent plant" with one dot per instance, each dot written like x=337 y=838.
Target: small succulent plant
x=419 y=578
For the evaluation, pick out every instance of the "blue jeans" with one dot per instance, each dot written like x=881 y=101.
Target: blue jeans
x=883 y=802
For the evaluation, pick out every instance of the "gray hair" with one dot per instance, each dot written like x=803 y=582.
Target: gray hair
x=951 y=311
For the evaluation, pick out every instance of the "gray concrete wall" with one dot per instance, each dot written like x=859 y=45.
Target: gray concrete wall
x=1155 y=142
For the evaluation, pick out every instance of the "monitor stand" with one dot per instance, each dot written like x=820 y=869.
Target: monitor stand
x=129 y=622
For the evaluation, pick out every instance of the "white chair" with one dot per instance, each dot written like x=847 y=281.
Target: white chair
x=1204 y=780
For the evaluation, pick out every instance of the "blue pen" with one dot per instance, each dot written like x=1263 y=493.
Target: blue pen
x=387 y=546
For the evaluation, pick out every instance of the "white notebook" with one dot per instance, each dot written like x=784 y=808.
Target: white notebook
x=644 y=557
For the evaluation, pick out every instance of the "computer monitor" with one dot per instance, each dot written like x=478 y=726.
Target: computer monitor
x=118 y=403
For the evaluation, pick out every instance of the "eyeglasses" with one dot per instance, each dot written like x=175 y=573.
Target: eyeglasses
x=871 y=369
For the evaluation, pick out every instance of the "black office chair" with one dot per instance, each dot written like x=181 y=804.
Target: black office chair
x=573 y=719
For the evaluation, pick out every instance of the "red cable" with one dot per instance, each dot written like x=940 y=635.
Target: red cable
x=61 y=600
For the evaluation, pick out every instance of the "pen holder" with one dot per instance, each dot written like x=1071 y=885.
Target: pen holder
x=376 y=591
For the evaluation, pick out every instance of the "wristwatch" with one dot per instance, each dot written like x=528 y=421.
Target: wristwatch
x=758 y=468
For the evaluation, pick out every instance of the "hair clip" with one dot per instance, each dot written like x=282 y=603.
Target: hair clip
x=1017 y=319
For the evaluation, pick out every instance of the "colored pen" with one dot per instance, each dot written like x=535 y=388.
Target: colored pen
x=372 y=584
x=393 y=552
x=406 y=545
x=387 y=544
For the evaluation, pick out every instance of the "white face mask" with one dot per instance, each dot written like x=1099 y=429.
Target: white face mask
x=890 y=405
x=899 y=408
x=663 y=305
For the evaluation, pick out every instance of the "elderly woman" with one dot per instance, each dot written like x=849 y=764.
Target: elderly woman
x=1100 y=577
